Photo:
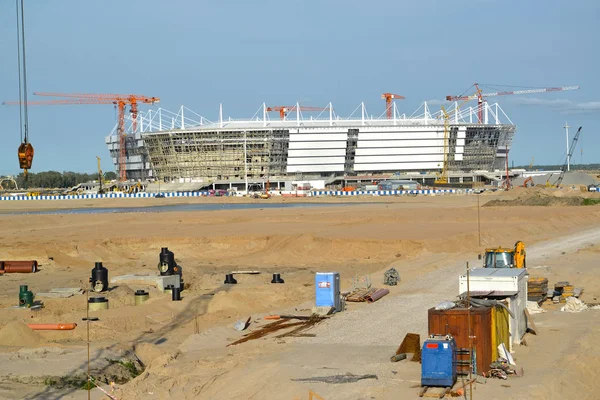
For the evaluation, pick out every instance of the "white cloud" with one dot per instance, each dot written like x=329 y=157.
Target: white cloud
x=436 y=102
x=564 y=105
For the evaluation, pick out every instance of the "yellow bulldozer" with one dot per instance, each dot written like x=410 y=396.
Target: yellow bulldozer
x=502 y=257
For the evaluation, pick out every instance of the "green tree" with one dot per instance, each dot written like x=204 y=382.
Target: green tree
x=110 y=176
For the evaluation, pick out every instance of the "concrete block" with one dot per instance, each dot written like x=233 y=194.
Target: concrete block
x=161 y=282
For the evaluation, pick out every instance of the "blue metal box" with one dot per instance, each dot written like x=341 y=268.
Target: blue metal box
x=438 y=361
x=327 y=290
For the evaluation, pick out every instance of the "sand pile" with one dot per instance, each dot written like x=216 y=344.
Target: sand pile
x=16 y=333
x=569 y=178
x=538 y=199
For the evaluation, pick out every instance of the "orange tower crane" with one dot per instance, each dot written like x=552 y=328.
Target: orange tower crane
x=284 y=110
x=389 y=97
x=119 y=100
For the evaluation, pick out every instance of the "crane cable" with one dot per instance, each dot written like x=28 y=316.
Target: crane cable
x=23 y=112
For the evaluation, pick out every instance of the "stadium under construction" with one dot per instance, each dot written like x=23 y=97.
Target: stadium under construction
x=185 y=147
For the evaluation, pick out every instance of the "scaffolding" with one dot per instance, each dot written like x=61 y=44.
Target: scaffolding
x=219 y=155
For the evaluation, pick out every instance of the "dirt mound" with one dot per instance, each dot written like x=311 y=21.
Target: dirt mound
x=538 y=199
x=16 y=333
x=148 y=352
x=239 y=302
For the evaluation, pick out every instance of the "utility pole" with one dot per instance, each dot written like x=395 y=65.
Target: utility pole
x=568 y=158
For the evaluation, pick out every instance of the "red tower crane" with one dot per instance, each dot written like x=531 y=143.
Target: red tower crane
x=480 y=96
x=119 y=100
x=388 y=102
x=284 y=110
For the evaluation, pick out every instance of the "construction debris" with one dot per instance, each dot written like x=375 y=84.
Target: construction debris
x=242 y=324
x=565 y=290
x=537 y=289
x=574 y=305
x=366 y=295
x=534 y=308
x=377 y=294
x=344 y=378
x=391 y=277
x=398 y=357
x=61 y=293
x=362 y=282
x=246 y=272
x=411 y=344
x=280 y=325
x=360 y=295
x=502 y=369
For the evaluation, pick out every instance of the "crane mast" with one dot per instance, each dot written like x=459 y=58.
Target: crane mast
x=389 y=97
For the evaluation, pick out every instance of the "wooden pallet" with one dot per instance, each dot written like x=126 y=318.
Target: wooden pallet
x=360 y=295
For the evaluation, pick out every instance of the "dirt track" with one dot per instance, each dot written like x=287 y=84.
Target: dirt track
x=426 y=239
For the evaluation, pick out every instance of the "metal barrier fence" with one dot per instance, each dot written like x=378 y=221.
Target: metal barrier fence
x=205 y=193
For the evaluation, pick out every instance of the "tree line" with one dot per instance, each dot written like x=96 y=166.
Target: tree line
x=55 y=179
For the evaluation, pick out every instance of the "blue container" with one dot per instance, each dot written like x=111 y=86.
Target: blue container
x=327 y=290
x=438 y=361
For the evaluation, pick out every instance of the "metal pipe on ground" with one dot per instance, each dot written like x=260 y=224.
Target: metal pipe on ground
x=52 y=327
x=379 y=293
x=22 y=267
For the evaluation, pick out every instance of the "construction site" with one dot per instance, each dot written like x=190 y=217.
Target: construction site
x=299 y=254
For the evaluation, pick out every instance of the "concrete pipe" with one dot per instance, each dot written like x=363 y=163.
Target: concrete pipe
x=22 y=267
x=52 y=327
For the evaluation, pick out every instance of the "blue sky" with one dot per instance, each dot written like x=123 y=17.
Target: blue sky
x=243 y=53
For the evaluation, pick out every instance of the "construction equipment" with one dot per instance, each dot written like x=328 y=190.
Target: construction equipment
x=438 y=365
x=480 y=96
x=100 y=177
x=389 y=97
x=528 y=180
x=135 y=188
x=266 y=194
x=284 y=110
x=119 y=100
x=563 y=169
x=501 y=257
x=443 y=176
x=25 y=151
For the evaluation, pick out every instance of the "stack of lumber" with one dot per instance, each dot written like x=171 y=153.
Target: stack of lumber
x=565 y=289
x=360 y=295
x=537 y=289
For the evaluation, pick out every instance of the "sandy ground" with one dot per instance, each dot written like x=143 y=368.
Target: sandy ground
x=428 y=239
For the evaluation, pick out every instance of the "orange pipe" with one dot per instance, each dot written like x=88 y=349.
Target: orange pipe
x=23 y=267
x=272 y=317
x=52 y=327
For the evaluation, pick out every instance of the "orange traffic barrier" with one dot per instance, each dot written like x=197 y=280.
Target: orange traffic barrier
x=52 y=327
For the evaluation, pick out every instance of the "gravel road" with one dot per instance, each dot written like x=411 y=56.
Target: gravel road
x=389 y=319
